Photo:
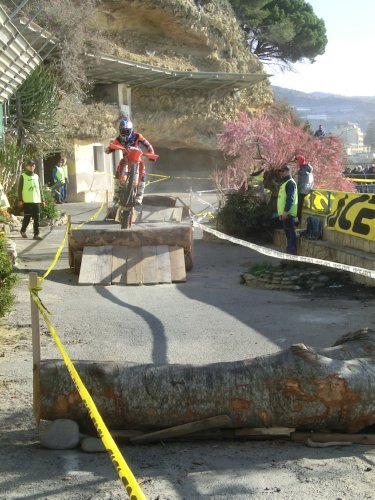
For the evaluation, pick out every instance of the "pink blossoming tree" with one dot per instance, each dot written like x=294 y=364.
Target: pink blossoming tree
x=271 y=139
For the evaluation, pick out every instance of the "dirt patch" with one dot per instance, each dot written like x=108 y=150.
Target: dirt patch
x=11 y=336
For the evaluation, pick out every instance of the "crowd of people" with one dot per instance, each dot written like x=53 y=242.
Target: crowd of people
x=367 y=170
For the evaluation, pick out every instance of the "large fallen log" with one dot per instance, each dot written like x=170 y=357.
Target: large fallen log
x=299 y=387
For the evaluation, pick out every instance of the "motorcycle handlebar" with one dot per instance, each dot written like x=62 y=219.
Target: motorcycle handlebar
x=134 y=154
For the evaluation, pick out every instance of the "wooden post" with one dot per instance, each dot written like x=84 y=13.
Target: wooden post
x=69 y=224
x=107 y=199
x=35 y=326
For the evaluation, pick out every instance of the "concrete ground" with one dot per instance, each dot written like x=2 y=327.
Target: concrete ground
x=210 y=318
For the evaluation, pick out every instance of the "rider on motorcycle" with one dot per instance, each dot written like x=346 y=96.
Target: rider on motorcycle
x=127 y=138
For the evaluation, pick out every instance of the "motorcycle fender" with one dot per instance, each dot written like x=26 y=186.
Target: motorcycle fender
x=134 y=155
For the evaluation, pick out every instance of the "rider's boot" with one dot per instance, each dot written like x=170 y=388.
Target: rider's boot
x=140 y=193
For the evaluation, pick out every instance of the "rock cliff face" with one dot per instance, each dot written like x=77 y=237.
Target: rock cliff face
x=183 y=35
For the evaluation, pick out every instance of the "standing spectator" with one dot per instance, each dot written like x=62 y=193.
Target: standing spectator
x=64 y=187
x=287 y=202
x=320 y=132
x=30 y=198
x=58 y=175
x=305 y=182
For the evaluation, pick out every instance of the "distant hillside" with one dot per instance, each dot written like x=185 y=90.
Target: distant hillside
x=329 y=109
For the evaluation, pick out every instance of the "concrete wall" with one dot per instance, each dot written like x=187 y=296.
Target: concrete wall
x=90 y=172
x=336 y=247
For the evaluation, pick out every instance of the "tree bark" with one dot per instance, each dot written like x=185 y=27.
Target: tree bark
x=299 y=387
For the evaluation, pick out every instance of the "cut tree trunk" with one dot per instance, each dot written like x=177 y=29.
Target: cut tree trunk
x=299 y=387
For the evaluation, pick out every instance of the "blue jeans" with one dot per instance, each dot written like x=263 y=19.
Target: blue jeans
x=64 y=192
x=290 y=233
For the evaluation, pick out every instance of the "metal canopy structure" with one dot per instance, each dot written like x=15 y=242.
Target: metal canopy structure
x=17 y=57
x=107 y=70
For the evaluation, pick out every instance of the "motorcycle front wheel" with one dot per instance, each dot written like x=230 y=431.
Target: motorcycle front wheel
x=126 y=218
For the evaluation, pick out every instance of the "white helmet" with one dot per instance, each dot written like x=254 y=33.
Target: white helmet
x=125 y=127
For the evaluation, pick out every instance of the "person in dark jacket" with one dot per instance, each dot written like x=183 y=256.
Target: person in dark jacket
x=320 y=132
x=287 y=202
x=305 y=182
x=30 y=198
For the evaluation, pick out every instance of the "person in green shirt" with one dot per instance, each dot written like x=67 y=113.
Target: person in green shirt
x=287 y=203
x=30 y=198
x=58 y=174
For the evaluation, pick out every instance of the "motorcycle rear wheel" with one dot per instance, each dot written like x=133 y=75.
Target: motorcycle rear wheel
x=127 y=199
x=126 y=218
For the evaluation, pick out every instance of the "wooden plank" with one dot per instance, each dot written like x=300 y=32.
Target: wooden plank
x=333 y=437
x=263 y=431
x=155 y=214
x=161 y=214
x=176 y=214
x=103 y=272
x=88 y=266
x=183 y=430
x=178 y=271
x=134 y=266
x=150 y=275
x=164 y=264
x=35 y=332
x=119 y=264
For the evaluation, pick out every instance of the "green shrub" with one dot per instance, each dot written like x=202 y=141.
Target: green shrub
x=262 y=267
x=50 y=211
x=246 y=216
x=8 y=279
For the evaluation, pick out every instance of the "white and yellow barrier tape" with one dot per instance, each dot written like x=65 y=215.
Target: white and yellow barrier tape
x=368 y=273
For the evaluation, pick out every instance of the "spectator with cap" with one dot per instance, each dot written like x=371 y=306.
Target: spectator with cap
x=305 y=181
x=287 y=202
x=30 y=198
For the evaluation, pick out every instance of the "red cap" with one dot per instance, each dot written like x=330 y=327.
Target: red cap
x=300 y=160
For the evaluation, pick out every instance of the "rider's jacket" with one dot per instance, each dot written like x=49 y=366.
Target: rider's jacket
x=133 y=140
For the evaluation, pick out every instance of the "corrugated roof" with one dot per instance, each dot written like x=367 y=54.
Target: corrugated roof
x=107 y=69
x=17 y=57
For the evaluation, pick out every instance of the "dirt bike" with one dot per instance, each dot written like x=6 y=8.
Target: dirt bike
x=129 y=183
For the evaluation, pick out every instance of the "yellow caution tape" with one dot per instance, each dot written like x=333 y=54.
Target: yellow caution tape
x=361 y=180
x=205 y=214
x=128 y=480
x=57 y=256
x=95 y=216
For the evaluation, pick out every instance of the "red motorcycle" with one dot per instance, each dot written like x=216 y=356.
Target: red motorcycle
x=128 y=180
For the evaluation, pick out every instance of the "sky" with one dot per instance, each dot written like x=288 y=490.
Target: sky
x=348 y=65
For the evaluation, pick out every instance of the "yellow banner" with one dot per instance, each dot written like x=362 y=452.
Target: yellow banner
x=353 y=213
x=320 y=200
